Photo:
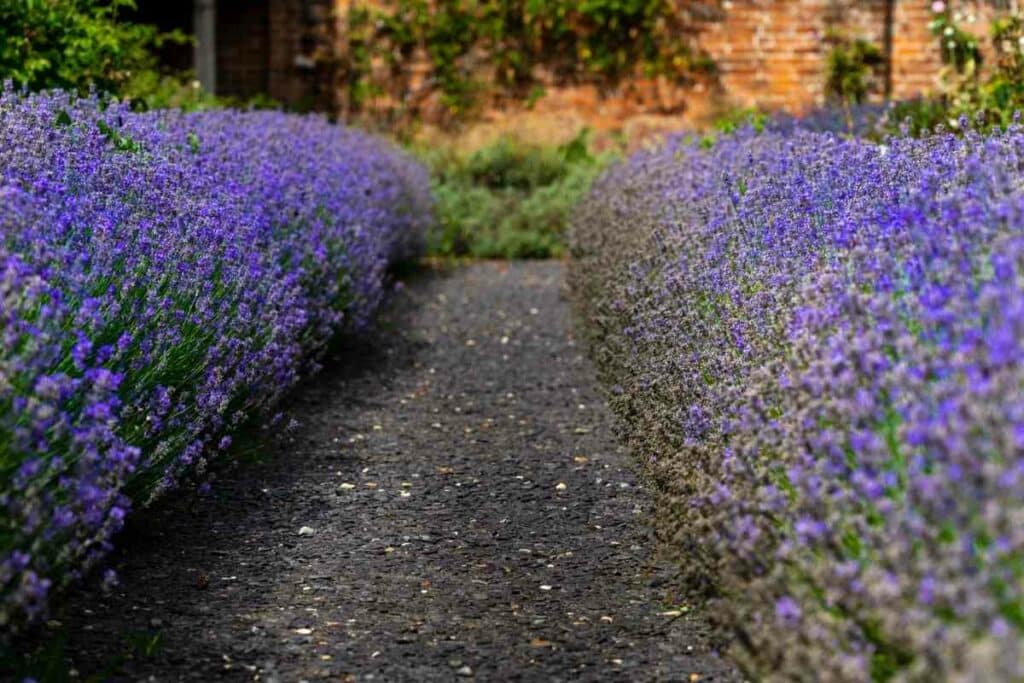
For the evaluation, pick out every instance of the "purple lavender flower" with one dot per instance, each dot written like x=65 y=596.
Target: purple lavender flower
x=787 y=610
x=818 y=345
x=154 y=295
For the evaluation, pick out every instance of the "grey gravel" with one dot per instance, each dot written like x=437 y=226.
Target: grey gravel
x=452 y=465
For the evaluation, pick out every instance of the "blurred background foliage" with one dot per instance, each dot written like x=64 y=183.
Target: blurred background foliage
x=89 y=45
x=991 y=95
x=95 y=46
x=852 y=68
x=510 y=198
x=987 y=93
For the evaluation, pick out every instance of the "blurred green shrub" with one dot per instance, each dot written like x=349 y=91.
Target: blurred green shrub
x=738 y=117
x=82 y=45
x=852 y=68
x=988 y=97
x=509 y=199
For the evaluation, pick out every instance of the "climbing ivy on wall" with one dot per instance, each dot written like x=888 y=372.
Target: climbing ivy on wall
x=477 y=46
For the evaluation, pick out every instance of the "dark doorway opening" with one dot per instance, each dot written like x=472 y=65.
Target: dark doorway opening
x=243 y=48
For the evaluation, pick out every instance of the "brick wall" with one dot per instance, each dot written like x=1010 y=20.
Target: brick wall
x=769 y=54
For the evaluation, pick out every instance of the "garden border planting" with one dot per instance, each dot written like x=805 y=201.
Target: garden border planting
x=814 y=347
x=165 y=278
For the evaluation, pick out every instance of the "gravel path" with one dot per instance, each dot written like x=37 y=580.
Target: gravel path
x=453 y=507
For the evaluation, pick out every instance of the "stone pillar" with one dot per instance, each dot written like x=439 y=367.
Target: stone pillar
x=205 y=58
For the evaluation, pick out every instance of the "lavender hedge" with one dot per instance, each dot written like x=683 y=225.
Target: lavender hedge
x=816 y=346
x=164 y=277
